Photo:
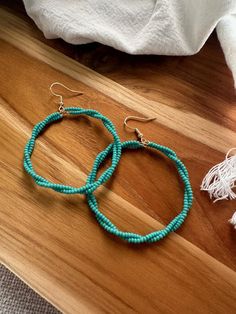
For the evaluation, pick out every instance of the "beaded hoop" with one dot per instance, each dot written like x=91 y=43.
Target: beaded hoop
x=156 y=235
x=89 y=187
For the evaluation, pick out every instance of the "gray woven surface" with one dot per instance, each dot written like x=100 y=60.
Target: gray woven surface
x=17 y=298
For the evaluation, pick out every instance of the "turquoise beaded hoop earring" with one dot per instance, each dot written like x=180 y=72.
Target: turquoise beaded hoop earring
x=38 y=128
x=174 y=224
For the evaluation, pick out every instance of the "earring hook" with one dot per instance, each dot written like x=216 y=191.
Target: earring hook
x=136 y=130
x=61 y=103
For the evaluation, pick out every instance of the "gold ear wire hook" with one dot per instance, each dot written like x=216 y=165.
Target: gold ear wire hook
x=61 y=103
x=136 y=130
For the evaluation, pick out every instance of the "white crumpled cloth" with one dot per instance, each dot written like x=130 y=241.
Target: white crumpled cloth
x=164 y=27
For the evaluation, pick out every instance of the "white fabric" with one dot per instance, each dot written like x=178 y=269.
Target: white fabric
x=226 y=31
x=168 y=27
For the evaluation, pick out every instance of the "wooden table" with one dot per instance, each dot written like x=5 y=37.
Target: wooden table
x=52 y=241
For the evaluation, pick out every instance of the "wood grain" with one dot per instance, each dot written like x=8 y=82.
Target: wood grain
x=54 y=236
x=72 y=262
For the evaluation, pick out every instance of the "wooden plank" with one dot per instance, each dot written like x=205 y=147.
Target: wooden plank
x=209 y=231
x=78 y=267
x=209 y=228
x=40 y=228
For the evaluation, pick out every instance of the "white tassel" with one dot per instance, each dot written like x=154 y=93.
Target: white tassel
x=220 y=181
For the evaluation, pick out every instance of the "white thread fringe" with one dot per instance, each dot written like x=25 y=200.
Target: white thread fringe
x=220 y=181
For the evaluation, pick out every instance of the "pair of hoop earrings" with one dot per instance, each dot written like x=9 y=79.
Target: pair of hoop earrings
x=115 y=149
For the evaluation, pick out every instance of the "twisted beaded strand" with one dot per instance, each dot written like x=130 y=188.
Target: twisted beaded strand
x=106 y=224
x=90 y=187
